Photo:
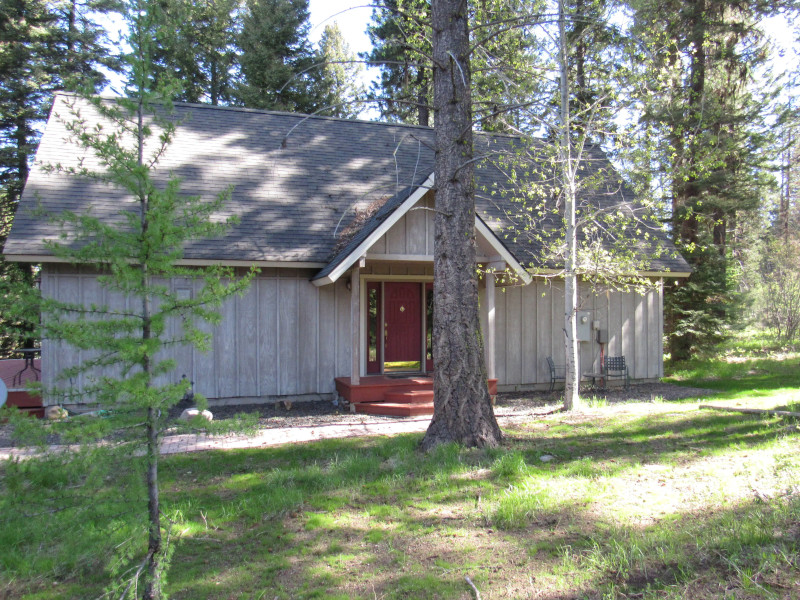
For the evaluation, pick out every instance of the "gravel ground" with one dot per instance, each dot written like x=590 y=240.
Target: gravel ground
x=509 y=404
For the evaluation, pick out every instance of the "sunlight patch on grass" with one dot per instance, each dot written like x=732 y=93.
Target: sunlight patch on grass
x=242 y=481
x=595 y=401
x=426 y=586
x=375 y=536
x=340 y=561
x=383 y=511
x=510 y=465
x=587 y=468
x=536 y=498
x=319 y=521
x=327 y=502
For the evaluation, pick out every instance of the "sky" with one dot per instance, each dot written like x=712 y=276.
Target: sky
x=352 y=16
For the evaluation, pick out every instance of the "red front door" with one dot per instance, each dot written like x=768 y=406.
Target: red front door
x=402 y=334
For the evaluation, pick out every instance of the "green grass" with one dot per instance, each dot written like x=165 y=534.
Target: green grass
x=766 y=378
x=651 y=500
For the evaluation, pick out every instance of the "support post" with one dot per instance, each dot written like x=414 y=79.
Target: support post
x=355 y=325
x=490 y=327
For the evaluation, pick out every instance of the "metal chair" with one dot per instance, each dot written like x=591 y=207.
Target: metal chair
x=557 y=373
x=615 y=368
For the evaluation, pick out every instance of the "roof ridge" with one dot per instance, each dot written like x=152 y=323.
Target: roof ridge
x=245 y=109
x=300 y=116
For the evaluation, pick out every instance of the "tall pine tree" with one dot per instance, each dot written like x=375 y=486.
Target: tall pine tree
x=278 y=66
x=507 y=81
x=505 y=74
x=339 y=76
x=43 y=47
x=712 y=145
x=132 y=254
x=400 y=36
x=197 y=48
x=462 y=408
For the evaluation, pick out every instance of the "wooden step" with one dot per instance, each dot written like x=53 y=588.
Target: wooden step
x=25 y=403
x=409 y=397
x=394 y=409
x=372 y=388
x=31 y=412
x=406 y=390
x=22 y=399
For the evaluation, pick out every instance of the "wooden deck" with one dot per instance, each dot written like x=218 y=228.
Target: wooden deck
x=394 y=396
x=17 y=394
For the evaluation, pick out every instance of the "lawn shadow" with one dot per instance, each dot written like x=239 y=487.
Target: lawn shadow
x=640 y=440
x=367 y=518
x=759 y=376
x=393 y=532
x=375 y=517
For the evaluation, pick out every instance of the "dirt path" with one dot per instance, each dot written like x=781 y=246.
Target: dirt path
x=312 y=421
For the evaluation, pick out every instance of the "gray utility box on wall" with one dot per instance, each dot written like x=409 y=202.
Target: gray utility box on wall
x=584 y=326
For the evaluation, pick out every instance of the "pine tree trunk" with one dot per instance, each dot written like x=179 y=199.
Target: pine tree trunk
x=72 y=33
x=24 y=147
x=214 y=83
x=462 y=408
x=153 y=584
x=785 y=193
x=423 y=100
x=152 y=588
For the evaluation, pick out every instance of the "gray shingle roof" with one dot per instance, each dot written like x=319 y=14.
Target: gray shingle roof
x=293 y=198
x=370 y=225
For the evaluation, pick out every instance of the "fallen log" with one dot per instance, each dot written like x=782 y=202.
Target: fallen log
x=753 y=411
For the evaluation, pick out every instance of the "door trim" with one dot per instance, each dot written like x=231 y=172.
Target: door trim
x=364 y=306
x=403 y=317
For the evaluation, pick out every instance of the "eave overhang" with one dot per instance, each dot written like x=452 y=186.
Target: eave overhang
x=343 y=262
x=665 y=274
x=184 y=262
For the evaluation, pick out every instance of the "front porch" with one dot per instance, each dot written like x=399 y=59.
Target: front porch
x=388 y=270
x=407 y=396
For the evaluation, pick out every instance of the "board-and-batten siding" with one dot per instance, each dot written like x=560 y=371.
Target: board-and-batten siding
x=529 y=328
x=412 y=234
x=286 y=337
x=283 y=337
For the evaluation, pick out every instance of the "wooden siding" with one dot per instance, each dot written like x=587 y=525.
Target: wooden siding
x=529 y=324
x=283 y=337
x=390 y=269
x=412 y=234
x=286 y=337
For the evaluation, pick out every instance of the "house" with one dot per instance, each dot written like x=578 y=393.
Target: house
x=338 y=215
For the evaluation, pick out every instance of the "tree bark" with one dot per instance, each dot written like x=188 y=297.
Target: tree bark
x=152 y=588
x=215 y=87
x=423 y=100
x=462 y=408
x=785 y=193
